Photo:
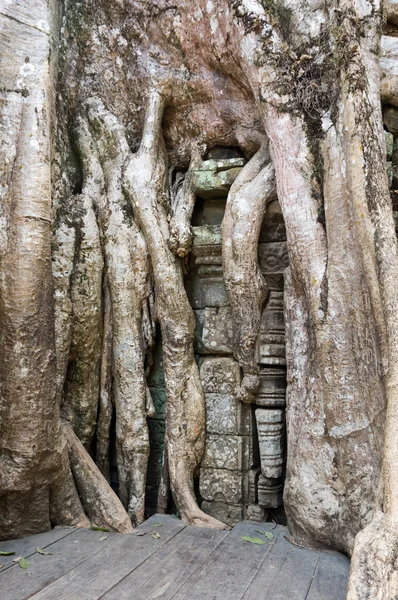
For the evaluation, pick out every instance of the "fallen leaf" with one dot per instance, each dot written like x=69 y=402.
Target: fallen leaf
x=23 y=563
x=267 y=534
x=155 y=535
x=43 y=552
x=100 y=529
x=2 y=553
x=103 y=538
x=252 y=540
x=140 y=533
x=1 y=566
x=157 y=525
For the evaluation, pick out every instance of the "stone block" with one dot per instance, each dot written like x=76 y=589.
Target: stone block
x=227 y=415
x=214 y=178
x=273 y=226
x=214 y=331
x=390 y=118
x=271 y=345
x=273 y=257
x=389 y=139
x=272 y=390
x=271 y=433
x=223 y=485
x=232 y=452
x=270 y=492
x=226 y=513
x=220 y=375
x=256 y=513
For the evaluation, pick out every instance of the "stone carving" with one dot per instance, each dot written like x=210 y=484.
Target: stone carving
x=270 y=492
x=227 y=513
x=270 y=428
x=272 y=390
x=214 y=331
x=272 y=332
x=223 y=485
x=219 y=375
x=225 y=415
x=207 y=250
x=273 y=257
x=231 y=452
x=213 y=178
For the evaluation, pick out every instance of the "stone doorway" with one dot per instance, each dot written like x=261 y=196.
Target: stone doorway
x=242 y=472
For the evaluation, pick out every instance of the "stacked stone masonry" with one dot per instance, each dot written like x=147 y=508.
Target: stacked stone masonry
x=241 y=474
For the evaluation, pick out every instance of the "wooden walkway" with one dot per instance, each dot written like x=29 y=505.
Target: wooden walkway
x=165 y=560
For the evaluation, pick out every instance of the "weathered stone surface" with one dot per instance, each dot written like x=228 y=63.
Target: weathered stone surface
x=272 y=332
x=255 y=512
x=273 y=226
x=223 y=485
x=206 y=240
x=269 y=492
x=227 y=415
x=214 y=177
x=214 y=331
x=390 y=118
x=220 y=375
x=226 y=513
x=233 y=452
x=273 y=257
x=270 y=428
x=272 y=390
x=389 y=138
x=253 y=476
x=207 y=250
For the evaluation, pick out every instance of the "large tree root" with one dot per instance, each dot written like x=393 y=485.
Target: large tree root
x=80 y=403
x=127 y=276
x=246 y=288
x=98 y=499
x=146 y=187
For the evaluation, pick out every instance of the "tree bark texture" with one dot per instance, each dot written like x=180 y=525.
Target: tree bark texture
x=143 y=91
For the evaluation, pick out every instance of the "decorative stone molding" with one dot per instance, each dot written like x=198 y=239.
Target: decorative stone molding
x=272 y=390
x=214 y=178
x=270 y=492
x=271 y=343
x=270 y=428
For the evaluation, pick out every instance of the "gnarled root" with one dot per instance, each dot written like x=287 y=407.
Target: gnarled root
x=146 y=187
x=99 y=500
x=374 y=564
x=127 y=277
x=80 y=404
x=246 y=288
x=183 y=198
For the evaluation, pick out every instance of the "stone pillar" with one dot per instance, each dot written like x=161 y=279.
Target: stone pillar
x=271 y=433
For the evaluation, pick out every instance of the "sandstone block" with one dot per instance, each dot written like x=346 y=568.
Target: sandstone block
x=271 y=431
x=223 y=485
x=220 y=375
x=214 y=331
x=227 y=415
x=232 y=452
x=273 y=257
x=226 y=513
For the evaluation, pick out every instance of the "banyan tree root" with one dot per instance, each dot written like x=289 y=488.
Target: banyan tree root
x=146 y=186
x=246 y=288
x=182 y=204
x=80 y=404
x=98 y=499
x=127 y=276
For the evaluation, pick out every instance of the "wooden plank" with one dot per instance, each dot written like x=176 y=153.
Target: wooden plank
x=98 y=574
x=18 y=584
x=286 y=573
x=331 y=577
x=230 y=568
x=27 y=545
x=167 y=570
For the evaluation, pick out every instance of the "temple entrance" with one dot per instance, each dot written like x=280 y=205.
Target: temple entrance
x=242 y=471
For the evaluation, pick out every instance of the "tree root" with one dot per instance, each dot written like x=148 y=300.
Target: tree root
x=98 y=499
x=146 y=187
x=374 y=563
x=246 y=288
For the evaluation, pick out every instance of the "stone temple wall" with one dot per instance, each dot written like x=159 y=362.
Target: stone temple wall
x=241 y=475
